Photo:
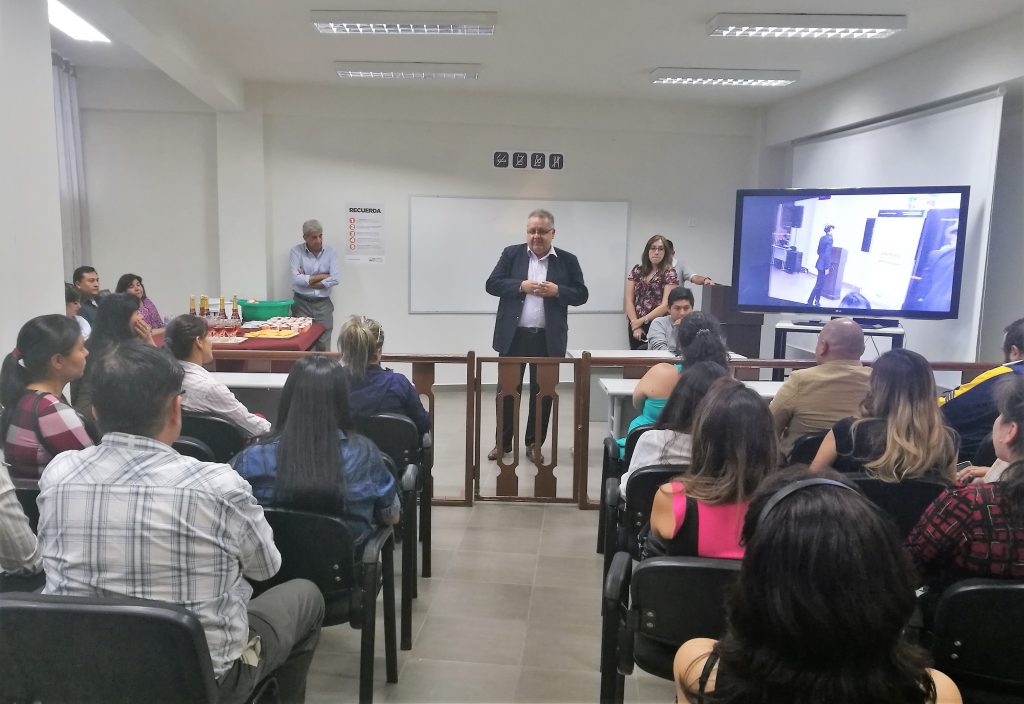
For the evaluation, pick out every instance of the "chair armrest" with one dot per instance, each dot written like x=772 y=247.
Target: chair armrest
x=410 y=477
x=427 y=440
x=616 y=583
x=374 y=544
x=611 y=493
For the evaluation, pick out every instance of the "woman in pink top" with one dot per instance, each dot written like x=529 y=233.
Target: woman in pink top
x=734 y=449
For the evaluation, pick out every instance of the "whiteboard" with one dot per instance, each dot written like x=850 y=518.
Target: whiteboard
x=454 y=244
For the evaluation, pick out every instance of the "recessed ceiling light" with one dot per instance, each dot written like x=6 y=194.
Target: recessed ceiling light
x=785 y=26
x=72 y=25
x=480 y=24
x=393 y=70
x=722 y=77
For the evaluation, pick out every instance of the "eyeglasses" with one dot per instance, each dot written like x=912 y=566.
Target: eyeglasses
x=538 y=231
x=656 y=248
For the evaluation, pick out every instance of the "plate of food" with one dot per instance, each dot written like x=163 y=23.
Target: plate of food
x=270 y=334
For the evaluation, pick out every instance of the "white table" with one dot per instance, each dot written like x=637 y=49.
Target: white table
x=250 y=380
x=620 y=393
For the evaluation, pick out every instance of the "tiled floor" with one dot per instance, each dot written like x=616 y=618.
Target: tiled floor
x=511 y=614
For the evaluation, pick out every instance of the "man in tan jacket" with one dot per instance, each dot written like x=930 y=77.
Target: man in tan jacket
x=813 y=399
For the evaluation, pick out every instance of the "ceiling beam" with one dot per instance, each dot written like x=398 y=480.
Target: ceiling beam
x=149 y=29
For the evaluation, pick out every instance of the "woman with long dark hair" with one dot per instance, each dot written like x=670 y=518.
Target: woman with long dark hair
x=132 y=283
x=314 y=460
x=37 y=423
x=734 y=450
x=647 y=289
x=117 y=320
x=819 y=609
x=977 y=530
x=669 y=442
x=901 y=433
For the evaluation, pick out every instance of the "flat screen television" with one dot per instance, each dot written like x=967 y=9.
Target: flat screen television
x=851 y=251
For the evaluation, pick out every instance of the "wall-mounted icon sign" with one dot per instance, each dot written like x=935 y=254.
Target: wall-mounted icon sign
x=519 y=160
x=501 y=160
x=555 y=161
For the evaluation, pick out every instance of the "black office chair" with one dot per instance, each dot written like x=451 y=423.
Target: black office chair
x=320 y=548
x=805 y=448
x=613 y=466
x=193 y=447
x=904 y=501
x=223 y=437
x=650 y=611
x=82 y=649
x=27 y=491
x=978 y=639
x=398 y=438
x=626 y=518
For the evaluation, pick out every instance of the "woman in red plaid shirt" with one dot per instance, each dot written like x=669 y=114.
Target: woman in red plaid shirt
x=37 y=423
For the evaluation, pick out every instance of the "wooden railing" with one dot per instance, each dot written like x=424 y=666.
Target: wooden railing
x=424 y=369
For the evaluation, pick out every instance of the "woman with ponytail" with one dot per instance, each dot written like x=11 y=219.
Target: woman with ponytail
x=37 y=422
x=372 y=388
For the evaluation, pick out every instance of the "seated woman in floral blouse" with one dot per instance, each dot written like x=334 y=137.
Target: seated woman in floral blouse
x=132 y=283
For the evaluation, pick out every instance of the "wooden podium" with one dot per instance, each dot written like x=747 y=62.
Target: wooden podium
x=742 y=331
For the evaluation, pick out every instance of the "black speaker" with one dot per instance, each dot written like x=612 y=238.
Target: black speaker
x=792 y=216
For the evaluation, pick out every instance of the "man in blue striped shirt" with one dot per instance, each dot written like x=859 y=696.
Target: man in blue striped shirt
x=314 y=272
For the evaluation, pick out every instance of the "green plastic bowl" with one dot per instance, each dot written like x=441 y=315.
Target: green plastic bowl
x=262 y=310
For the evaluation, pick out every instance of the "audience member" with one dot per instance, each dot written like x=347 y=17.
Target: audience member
x=663 y=333
x=970 y=408
x=19 y=550
x=901 y=434
x=132 y=517
x=977 y=530
x=117 y=321
x=819 y=610
x=132 y=283
x=314 y=460
x=37 y=423
x=669 y=441
x=814 y=399
x=699 y=340
x=372 y=388
x=647 y=288
x=87 y=281
x=72 y=305
x=734 y=449
x=187 y=339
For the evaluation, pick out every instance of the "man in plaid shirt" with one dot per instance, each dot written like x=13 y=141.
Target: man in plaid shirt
x=131 y=517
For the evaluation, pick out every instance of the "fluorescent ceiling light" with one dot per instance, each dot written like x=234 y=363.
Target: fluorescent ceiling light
x=393 y=70
x=786 y=26
x=722 y=77
x=72 y=25
x=409 y=23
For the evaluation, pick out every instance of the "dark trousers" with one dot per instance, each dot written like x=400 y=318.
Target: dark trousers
x=287 y=619
x=635 y=344
x=527 y=344
x=819 y=284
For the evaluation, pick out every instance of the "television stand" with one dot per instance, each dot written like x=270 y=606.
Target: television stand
x=784 y=329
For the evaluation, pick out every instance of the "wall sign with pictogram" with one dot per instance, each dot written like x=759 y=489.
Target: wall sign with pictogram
x=532 y=160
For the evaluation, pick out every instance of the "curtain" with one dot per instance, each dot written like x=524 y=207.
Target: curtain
x=73 y=214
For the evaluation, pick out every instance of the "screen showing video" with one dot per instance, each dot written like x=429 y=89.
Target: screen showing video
x=858 y=251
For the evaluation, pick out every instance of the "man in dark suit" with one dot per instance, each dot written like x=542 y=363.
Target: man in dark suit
x=823 y=264
x=536 y=284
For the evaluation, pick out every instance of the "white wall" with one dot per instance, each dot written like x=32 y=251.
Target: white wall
x=324 y=147
x=30 y=235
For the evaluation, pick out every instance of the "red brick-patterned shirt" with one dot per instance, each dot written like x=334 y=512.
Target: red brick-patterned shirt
x=33 y=439
x=967 y=532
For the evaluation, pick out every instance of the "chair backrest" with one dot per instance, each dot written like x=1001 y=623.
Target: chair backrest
x=313 y=546
x=27 y=491
x=64 y=649
x=904 y=501
x=223 y=437
x=978 y=637
x=676 y=599
x=395 y=435
x=985 y=455
x=193 y=447
x=806 y=447
x=632 y=438
x=640 y=490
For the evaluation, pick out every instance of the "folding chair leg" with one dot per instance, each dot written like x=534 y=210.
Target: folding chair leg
x=425 y=522
x=414 y=543
x=368 y=635
x=408 y=590
x=600 y=531
x=609 y=655
x=390 y=651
